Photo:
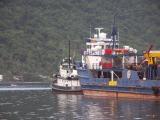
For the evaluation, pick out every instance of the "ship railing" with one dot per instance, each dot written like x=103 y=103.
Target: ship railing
x=97 y=66
x=90 y=52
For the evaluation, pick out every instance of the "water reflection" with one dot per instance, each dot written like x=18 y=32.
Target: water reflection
x=112 y=109
x=44 y=105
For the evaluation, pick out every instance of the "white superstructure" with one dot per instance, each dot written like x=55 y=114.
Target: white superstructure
x=67 y=70
x=67 y=79
x=100 y=44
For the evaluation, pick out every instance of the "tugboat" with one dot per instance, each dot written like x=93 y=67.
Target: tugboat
x=67 y=79
x=111 y=71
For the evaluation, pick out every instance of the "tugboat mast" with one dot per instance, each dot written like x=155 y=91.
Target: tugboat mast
x=69 y=55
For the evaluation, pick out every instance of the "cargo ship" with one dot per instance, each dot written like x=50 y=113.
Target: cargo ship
x=109 y=70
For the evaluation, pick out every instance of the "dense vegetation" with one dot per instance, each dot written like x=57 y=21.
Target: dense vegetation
x=34 y=34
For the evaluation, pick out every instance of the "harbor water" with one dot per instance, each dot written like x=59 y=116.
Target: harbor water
x=45 y=105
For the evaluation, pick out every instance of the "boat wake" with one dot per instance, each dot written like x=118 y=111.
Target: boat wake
x=24 y=88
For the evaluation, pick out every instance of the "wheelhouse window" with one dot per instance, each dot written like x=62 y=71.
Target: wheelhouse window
x=88 y=46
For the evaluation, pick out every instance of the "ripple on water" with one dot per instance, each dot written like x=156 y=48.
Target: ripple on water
x=45 y=105
x=62 y=112
x=6 y=103
x=41 y=118
x=40 y=109
x=29 y=97
x=28 y=118
x=15 y=112
x=51 y=117
x=78 y=118
x=55 y=107
x=20 y=101
x=45 y=109
x=137 y=118
x=49 y=108
x=6 y=113
x=31 y=113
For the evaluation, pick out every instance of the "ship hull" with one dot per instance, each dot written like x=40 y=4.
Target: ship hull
x=132 y=88
x=56 y=88
x=66 y=85
x=127 y=92
x=120 y=95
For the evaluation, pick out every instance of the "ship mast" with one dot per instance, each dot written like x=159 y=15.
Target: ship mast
x=114 y=33
x=90 y=31
x=69 y=55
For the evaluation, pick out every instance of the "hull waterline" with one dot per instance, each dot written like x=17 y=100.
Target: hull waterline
x=112 y=94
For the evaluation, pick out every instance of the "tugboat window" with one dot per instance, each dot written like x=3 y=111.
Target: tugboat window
x=88 y=46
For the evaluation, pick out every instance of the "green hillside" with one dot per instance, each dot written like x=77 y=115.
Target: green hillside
x=34 y=34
